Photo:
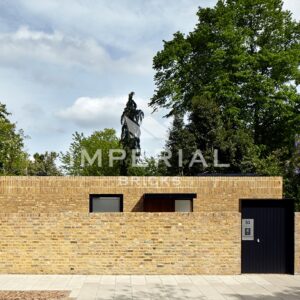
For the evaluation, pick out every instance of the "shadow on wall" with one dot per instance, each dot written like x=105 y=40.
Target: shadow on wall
x=139 y=206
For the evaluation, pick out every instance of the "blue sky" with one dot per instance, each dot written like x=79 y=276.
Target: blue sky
x=68 y=65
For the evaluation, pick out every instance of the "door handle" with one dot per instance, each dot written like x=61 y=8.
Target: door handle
x=258 y=240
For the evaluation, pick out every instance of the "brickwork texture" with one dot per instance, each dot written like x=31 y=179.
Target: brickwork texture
x=297 y=243
x=129 y=243
x=46 y=227
x=71 y=194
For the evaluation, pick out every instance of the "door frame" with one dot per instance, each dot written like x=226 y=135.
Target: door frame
x=289 y=205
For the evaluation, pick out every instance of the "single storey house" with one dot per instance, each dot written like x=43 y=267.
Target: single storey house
x=147 y=225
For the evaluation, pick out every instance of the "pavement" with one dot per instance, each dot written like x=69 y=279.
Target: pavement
x=175 y=287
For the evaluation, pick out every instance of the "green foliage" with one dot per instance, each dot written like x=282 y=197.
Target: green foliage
x=181 y=144
x=206 y=125
x=13 y=159
x=292 y=179
x=105 y=140
x=236 y=75
x=130 y=142
x=147 y=167
x=43 y=165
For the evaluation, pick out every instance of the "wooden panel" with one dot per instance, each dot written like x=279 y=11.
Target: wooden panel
x=159 y=205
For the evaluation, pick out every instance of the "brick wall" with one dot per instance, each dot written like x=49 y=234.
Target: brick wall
x=45 y=226
x=65 y=194
x=128 y=243
x=297 y=243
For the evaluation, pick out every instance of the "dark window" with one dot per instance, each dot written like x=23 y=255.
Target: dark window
x=168 y=202
x=106 y=203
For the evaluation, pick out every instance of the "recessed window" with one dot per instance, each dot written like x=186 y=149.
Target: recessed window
x=183 y=206
x=106 y=203
x=168 y=202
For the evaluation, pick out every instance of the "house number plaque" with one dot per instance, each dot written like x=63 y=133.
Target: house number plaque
x=248 y=229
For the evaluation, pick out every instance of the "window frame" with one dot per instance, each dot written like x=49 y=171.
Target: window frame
x=92 y=196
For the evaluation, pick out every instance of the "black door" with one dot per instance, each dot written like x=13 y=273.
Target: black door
x=267 y=236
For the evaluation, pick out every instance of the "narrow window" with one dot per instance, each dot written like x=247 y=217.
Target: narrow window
x=106 y=203
x=183 y=206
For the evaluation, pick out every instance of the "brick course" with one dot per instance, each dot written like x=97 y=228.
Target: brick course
x=129 y=243
x=65 y=194
x=45 y=226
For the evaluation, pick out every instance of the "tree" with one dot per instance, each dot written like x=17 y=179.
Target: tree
x=149 y=166
x=244 y=57
x=180 y=145
x=213 y=132
x=89 y=156
x=292 y=178
x=130 y=137
x=205 y=132
x=13 y=158
x=44 y=165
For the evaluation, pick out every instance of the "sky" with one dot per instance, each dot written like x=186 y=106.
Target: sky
x=69 y=65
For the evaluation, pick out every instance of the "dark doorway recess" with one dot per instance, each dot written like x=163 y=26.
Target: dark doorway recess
x=267 y=236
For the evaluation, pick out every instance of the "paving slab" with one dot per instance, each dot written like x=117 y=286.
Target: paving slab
x=106 y=292
x=156 y=287
x=88 y=291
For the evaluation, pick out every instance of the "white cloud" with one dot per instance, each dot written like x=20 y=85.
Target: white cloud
x=106 y=112
x=26 y=46
x=90 y=112
x=124 y=24
x=73 y=47
x=53 y=47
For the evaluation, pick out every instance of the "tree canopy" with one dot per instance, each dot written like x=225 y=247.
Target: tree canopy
x=84 y=149
x=13 y=159
x=236 y=76
x=43 y=165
